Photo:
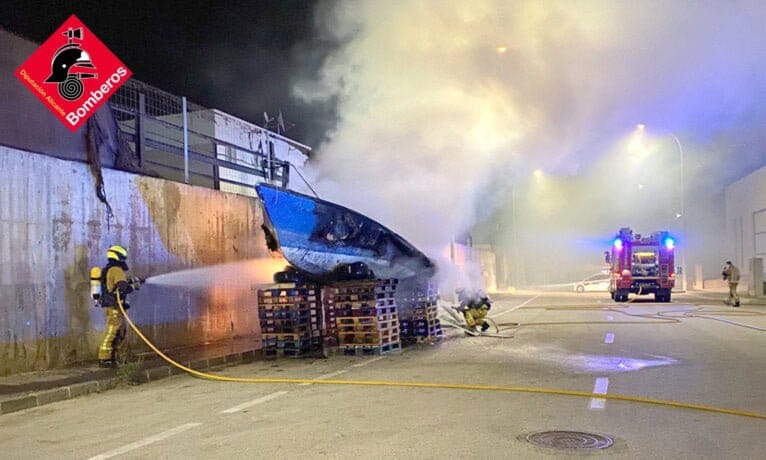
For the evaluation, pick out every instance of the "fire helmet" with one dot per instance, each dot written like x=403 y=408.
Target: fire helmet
x=118 y=253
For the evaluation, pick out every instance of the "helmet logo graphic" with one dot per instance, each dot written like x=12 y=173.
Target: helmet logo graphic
x=73 y=75
x=68 y=57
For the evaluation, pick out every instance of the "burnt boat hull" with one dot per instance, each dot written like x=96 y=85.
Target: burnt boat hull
x=317 y=236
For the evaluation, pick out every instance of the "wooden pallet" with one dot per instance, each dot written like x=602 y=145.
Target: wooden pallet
x=419 y=322
x=287 y=314
x=387 y=316
x=290 y=335
x=363 y=286
x=348 y=289
x=386 y=288
x=370 y=297
x=288 y=299
x=299 y=321
x=368 y=338
x=387 y=302
x=413 y=304
x=287 y=329
x=287 y=289
x=365 y=311
x=303 y=343
x=370 y=350
x=432 y=331
x=429 y=316
x=350 y=320
x=368 y=327
x=289 y=306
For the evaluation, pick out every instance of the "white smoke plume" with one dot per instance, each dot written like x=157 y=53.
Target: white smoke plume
x=442 y=104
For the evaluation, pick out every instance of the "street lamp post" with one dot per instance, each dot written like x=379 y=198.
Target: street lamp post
x=683 y=211
x=681 y=152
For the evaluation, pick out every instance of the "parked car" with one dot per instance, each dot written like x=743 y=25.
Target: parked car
x=598 y=282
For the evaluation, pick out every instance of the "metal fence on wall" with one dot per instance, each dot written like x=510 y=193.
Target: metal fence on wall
x=175 y=139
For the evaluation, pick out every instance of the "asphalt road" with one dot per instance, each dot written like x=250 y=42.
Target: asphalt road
x=565 y=342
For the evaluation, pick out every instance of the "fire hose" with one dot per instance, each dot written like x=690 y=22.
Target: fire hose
x=452 y=386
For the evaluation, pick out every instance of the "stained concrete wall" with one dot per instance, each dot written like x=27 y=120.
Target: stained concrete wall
x=52 y=229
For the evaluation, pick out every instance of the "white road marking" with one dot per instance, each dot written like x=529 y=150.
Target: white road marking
x=609 y=318
x=325 y=376
x=253 y=402
x=343 y=371
x=609 y=338
x=145 y=442
x=600 y=388
x=369 y=361
x=516 y=307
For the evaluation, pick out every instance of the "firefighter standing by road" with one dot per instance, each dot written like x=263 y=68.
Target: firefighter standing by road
x=731 y=273
x=475 y=306
x=114 y=280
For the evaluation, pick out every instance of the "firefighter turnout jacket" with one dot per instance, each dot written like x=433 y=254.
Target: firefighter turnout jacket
x=113 y=280
x=731 y=273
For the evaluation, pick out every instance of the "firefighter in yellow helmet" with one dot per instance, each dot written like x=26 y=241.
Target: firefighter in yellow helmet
x=475 y=306
x=114 y=280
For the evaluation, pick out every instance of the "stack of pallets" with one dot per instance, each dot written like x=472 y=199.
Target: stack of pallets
x=364 y=316
x=330 y=328
x=419 y=313
x=290 y=320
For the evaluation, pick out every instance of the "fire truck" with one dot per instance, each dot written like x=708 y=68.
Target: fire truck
x=641 y=265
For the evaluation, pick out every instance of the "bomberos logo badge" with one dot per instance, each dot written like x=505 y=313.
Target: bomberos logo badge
x=73 y=73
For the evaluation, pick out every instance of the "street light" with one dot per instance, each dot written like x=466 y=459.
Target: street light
x=681 y=153
x=640 y=128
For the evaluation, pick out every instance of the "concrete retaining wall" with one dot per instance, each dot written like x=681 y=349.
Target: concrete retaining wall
x=53 y=228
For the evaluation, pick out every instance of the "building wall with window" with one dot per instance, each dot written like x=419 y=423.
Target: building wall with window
x=236 y=132
x=746 y=219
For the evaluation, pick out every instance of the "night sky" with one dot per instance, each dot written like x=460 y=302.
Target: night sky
x=237 y=56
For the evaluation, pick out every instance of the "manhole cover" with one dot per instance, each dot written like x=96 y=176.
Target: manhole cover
x=569 y=440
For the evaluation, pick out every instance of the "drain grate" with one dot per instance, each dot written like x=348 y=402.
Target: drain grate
x=569 y=440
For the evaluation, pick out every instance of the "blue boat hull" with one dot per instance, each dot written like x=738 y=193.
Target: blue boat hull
x=317 y=236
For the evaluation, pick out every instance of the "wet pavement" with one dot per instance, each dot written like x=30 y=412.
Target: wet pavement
x=19 y=385
x=568 y=342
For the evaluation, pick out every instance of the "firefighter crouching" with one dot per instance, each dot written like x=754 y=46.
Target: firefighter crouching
x=475 y=307
x=731 y=273
x=112 y=279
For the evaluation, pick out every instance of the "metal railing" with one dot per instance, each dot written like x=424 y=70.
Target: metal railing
x=181 y=145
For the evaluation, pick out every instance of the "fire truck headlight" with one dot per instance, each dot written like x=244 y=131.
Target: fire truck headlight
x=618 y=244
x=669 y=243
